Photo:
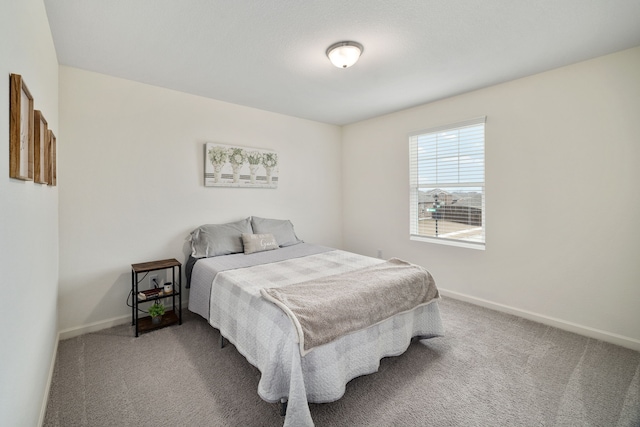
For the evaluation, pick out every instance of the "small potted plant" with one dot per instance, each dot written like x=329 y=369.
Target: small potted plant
x=156 y=311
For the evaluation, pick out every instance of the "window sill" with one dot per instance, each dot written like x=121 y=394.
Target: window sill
x=448 y=242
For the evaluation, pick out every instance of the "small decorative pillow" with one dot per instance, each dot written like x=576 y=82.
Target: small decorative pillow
x=258 y=243
x=282 y=229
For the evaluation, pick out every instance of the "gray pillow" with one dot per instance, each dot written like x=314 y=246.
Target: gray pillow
x=219 y=239
x=282 y=230
x=258 y=243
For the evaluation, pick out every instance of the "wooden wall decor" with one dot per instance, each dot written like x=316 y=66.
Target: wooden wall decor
x=41 y=159
x=53 y=160
x=20 y=130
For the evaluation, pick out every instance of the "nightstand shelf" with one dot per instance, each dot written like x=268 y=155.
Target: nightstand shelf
x=170 y=317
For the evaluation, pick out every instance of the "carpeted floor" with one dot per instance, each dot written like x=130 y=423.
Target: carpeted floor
x=491 y=369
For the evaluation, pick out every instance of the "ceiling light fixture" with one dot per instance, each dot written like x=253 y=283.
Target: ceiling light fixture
x=344 y=54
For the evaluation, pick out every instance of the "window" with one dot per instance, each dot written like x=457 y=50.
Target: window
x=447 y=203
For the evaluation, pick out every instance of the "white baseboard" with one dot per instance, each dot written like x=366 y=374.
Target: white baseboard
x=52 y=365
x=94 y=327
x=609 y=337
x=100 y=325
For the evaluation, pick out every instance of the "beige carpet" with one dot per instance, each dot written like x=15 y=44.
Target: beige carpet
x=491 y=369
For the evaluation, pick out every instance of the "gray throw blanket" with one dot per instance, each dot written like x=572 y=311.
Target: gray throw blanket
x=325 y=309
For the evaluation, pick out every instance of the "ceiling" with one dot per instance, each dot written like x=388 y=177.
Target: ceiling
x=270 y=54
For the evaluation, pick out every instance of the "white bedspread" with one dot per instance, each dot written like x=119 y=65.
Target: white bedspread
x=267 y=338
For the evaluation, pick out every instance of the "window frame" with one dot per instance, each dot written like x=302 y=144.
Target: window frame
x=414 y=185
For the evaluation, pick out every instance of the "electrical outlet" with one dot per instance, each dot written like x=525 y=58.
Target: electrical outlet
x=153 y=281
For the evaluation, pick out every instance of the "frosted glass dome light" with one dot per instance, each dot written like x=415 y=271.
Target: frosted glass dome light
x=344 y=54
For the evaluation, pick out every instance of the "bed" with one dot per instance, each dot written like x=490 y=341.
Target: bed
x=229 y=282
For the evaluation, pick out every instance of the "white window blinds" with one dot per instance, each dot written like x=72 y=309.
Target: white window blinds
x=447 y=202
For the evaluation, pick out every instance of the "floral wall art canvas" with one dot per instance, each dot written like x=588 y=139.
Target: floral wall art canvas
x=231 y=166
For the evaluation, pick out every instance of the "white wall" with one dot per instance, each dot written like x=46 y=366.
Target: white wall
x=562 y=194
x=28 y=224
x=131 y=183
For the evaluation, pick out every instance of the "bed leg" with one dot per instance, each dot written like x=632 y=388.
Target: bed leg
x=222 y=341
x=283 y=407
